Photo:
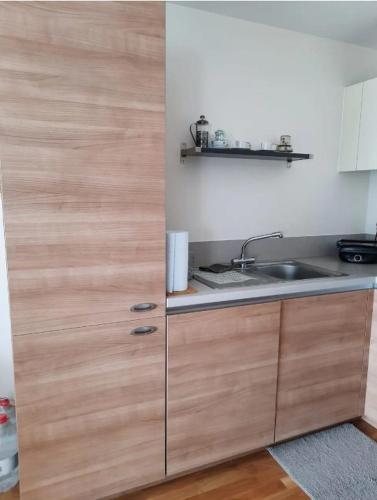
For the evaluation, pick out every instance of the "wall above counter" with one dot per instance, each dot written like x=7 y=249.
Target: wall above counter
x=218 y=199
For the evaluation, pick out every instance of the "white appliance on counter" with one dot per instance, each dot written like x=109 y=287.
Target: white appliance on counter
x=176 y=261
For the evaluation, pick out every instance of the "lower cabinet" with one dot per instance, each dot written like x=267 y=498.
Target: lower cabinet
x=90 y=410
x=371 y=392
x=222 y=374
x=323 y=350
x=91 y=401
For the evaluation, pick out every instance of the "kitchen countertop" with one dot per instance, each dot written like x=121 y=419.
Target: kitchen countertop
x=359 y=277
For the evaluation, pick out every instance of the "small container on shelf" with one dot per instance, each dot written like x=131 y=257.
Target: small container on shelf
x=285 y=145
x=219 y=140
x=242 y=145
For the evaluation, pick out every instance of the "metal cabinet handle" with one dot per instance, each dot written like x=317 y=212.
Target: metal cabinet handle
x=143 y=330
x=144 y=306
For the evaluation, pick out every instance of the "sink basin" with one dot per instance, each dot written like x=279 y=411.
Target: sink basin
x=292 y=271
x=234 y=278
x=265 y=273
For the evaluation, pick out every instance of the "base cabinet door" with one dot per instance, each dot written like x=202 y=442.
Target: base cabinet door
x=371 y=391
x=222 y=372
x=323 y=346
x=90 y=410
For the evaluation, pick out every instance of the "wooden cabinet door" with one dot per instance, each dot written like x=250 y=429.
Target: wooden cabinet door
x=323 y=340
x=90 y=410
x=349 y=139
x=367 y=155
x=222 y=370
x=371 y=388
x=82 y=161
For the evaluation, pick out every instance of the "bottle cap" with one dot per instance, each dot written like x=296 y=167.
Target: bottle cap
x=3 y=418
x=4 y=402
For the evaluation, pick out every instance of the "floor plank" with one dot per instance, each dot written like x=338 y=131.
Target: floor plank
x=254 y=477
x=10 y=495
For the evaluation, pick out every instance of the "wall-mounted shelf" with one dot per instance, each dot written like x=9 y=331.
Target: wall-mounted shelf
x=244 y=153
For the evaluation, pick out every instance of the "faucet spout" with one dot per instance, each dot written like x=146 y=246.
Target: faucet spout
x=243 y=261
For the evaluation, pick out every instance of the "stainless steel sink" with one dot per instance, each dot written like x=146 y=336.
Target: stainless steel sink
x=234 y=278
x=292 y=271
x=265 y=273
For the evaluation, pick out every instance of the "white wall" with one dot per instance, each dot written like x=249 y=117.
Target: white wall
x=6 y=359
x=371 y=218
x=257 y=82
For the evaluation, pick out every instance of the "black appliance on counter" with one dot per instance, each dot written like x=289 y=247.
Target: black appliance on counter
x=358 y=251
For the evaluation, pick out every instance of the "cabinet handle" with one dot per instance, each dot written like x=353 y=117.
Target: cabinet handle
x=143 y=330
x=144 y=306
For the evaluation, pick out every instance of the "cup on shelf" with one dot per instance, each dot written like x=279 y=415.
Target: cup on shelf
x=242 y=145
x=220 y=140
x=268 y=146
x=219 y=144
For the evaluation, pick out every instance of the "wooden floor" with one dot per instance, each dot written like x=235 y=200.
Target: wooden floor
x=254 y=477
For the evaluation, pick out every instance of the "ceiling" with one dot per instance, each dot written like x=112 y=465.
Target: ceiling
x=352 y=22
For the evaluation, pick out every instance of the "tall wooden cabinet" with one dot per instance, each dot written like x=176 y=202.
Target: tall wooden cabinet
x=82 y=160
x=82 y=164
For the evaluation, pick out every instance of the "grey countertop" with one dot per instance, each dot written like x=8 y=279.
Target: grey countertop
x=359 y=277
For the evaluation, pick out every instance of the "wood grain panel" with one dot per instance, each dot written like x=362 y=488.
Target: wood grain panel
x=322 y=342
x=76 y=264
x=257 y=476
x=82 y=160
x=137 y=28
x=90 y=410
x=368 y=332
x=222 y=369
x=371 y=391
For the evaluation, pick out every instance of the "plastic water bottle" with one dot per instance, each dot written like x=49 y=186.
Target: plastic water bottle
x=8 y=407
x=8 y=453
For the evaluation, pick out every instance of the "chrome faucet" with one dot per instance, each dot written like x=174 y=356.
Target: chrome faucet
x=242 y=261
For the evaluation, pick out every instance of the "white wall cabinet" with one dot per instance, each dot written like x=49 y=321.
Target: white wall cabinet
x=367 y=156
x=349 y=140
x=358 y=141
